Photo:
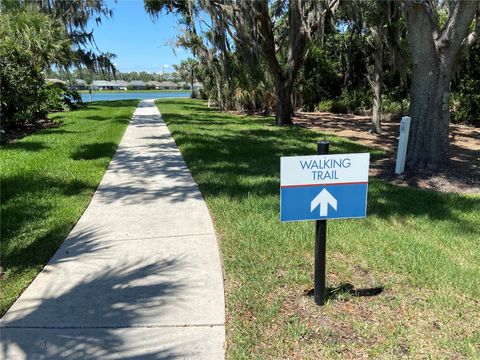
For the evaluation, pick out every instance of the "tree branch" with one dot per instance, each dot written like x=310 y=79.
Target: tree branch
x=474 y=36
x=457 y=25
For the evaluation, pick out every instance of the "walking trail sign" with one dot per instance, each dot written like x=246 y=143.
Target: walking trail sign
x=322 y=187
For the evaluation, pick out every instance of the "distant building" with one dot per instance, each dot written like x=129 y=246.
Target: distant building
x=119 y=84
x=168 y=85
x=153 y=84
x=101 y=85
x=137 y=84
x=80 y=84
x=109 y=85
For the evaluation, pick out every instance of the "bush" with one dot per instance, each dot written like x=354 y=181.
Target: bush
x=325 y=105
x=393 y=110
x=54 y=93
x=60 y=97
x=357 y=101
x=203 y=94
x=149 y=87
x=333 y=106
x=465 y=99
x=23 y=88
x=466 y=108
x=319 y=79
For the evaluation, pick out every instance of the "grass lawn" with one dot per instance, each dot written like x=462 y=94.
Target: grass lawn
x=47 y=180
x=421 y=247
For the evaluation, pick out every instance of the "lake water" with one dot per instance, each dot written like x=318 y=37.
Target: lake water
x=125 y=95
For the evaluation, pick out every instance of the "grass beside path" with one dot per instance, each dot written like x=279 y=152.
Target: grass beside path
x=47 y=180
x=422 y=247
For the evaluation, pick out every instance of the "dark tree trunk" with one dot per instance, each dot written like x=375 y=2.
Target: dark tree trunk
x=429 y=110
x=433 y=53
x=284 y=109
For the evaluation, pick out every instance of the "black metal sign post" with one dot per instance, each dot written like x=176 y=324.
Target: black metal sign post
x=320 y=245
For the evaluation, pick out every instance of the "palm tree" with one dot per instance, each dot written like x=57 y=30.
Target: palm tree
x=44 y=38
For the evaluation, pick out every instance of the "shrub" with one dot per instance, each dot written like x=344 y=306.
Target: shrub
x=333 y=106
x=465 y=99
x=24 y=95
x=325 y=105
x=203 y=94
x=54 y=94
x=339 y=107
x=319 y=79
x=466 y=108
x=389 y=106
x=358 y=100
x=149 y=87
x=59 y=97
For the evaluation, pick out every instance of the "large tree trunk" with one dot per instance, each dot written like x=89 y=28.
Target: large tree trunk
x=284 y=109
x=429 y=110
x=433 y=53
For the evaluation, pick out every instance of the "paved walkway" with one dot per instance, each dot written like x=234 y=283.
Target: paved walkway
x=139 y=277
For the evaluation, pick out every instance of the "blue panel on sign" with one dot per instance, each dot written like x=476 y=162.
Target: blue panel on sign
x=323 y=202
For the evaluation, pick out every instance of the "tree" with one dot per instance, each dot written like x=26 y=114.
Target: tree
x=22 y=87
x=75 y=17
x=280 y=32
x=210 y=47
x=30 y=42
x=43 y=38
x=187 y=70
x=434 y=48
x=377 y=24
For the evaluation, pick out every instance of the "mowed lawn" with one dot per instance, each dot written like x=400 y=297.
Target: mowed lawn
x=47 y=180
x=422 y=248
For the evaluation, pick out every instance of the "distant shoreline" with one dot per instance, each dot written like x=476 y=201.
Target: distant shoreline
x=130 y=91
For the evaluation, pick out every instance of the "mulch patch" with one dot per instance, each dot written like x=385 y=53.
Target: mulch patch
x=21 y=130
x=461 y=176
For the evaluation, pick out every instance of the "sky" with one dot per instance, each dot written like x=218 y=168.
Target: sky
x=140 y=43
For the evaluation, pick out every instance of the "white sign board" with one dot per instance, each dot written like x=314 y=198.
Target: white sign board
x=335 y=185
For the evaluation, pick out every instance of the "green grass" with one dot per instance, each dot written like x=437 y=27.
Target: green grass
x=421 y=246
x=47 y=180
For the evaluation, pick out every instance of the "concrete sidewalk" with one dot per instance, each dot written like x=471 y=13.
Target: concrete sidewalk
x=139 y=276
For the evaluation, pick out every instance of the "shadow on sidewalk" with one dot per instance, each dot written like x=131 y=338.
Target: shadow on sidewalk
x=63 y=326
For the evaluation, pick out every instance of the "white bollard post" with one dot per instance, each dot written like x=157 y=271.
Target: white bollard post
x=402 y=145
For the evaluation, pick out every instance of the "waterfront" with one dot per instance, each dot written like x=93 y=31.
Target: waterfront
x=125 y=95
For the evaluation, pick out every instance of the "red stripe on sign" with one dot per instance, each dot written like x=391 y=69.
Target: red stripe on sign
x=334 y=184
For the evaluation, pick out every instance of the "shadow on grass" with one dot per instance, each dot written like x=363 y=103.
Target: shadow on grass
x=346 y=290
x=240 y=156
x=25 y=146
x=19 y=252
x=389 y=201
x=94 y=151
